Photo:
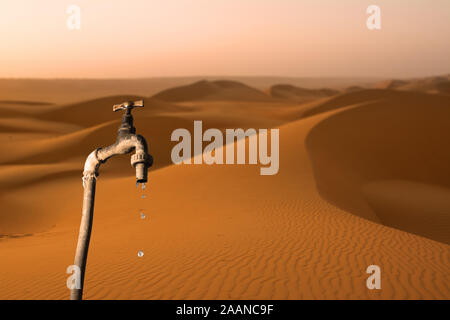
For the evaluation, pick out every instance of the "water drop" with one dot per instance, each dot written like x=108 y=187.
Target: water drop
x=143 y=186
x=142 y=215
x=140 y=253
x=143 y=196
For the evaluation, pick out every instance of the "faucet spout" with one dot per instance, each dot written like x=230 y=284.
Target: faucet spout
x=127 y=141
x=141 y=160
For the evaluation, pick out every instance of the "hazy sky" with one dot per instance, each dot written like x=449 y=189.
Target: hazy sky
x=146 y=38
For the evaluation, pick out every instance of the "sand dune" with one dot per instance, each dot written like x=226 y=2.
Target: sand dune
x=219 y=90
x=157 y=127
x=353 y=88
x=391 y=84
x=361 y=97
x=85 y=113
x=289 y=92
x=35 y=125
x=383 y=140
x=412 y=206
x=94 y=112
x=363 y=180
x=23 y=108
x=12 y=176
x=203 y=246
x=431 y=85
x=438 y=84
x=55 y=148
x=63 y=91
x=24 y=103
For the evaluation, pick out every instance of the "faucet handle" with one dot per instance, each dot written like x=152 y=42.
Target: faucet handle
x=128 y=105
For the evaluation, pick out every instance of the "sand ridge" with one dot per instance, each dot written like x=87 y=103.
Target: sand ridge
x=218 y=90
x=293 y=93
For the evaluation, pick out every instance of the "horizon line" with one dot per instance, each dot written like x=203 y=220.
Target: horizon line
x=224 y=76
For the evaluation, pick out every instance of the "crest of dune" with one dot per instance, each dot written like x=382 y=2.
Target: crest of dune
x=293 y=93
x=219 y=90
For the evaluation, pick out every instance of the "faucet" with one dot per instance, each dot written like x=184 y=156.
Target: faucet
x=127 y=142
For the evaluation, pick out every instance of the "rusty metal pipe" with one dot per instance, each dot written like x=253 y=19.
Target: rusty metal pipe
x=127 y=142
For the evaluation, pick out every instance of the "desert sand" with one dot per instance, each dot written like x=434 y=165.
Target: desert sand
x=363 y=180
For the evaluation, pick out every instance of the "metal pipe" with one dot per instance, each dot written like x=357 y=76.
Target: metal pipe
x=85 y=234
x=127 y=141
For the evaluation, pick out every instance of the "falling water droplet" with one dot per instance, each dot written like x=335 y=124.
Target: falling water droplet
x=142 y=215
x=143 y=186
x=143 y=196
x=140 y=253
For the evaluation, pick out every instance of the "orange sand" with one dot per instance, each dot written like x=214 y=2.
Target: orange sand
x=363 y=180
